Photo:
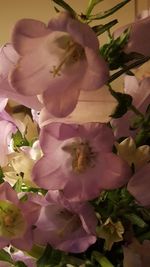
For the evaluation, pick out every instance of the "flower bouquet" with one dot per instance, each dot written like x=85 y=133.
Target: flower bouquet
x=75 y=151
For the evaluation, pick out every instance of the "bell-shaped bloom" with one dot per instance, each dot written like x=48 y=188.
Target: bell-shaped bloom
x=136 y=254
x=66 y=226
x=8 y=60
x=16 y=219
x=79 y=160
x=139 y=185
x=57 y=61
x=92 y=106
x=139 y=39
x=139 y=90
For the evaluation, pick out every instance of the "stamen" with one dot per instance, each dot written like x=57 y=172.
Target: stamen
x=73 y=52
x=82 y=156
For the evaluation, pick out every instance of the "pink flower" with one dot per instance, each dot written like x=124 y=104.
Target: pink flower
x=57 y=61
x=66 y=226
x=8 y=60
x=139 y=90
x=78 y=160
x=139 y=36
x=139 y=185
x=16 y=219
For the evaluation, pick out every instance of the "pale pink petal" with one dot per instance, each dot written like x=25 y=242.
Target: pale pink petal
x=59 y=105
x=139 y=37
x=27 y=34
x=59 y=22
x=7 y=193
x=50 y=170
x=77 y=245
x=85 y=37
x=97 y=72
x=139 y=185
x=138 y=90
x=131 y=85
x=3 y=103
x=24 y=243
x=8 y=58
x=89 y=225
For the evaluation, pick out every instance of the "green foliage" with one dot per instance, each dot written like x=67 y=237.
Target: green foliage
x=19 y=140
x=142 y=123
x=124 y=103
x=101 y=259
x=50 y=257
x=99 y=29
x=20 y=264
x=113 y=51
x=91 y=5
x=126 y=69
x=18 y=185
x=1 y=176
x=135 y=220
x=5 y=256
x=108 y=12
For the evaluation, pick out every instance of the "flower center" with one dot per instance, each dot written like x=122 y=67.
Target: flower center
x=73 y=53
x=82 y=156
x=71 y=223
x=12 y=223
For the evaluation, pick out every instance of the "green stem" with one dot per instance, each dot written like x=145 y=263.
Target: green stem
x=91 y=5
x=125 y=69
x=101 y=259
x=89 y=8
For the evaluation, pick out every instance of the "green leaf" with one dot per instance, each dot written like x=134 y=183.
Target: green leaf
x=19 y=140
x=126 y=68
x=18 y=185
x=1 y=176
x=99 y=29
x=101 y=259
x=91 y=5
x=136 y=220
x=20 y=264
x=108 y=12
x=113 y=51
x=49 y=257
x=124 y=102
x=67 y=7
x=5 y=256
